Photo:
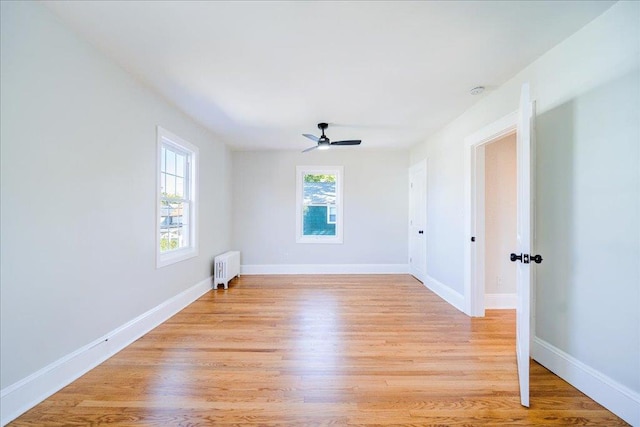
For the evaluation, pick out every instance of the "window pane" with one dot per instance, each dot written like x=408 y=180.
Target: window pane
x=163 y=163
x=175 y=213
x=163 y=183
x=164 y=226
x=171 y=162
x=319 y=192
x=174 y=225
x=314 y=221
x=185 y=226
x=164 y=240
x=319 y=189
x=171 y=186
x=180 y=187
x=180 y=162
x=173 y=240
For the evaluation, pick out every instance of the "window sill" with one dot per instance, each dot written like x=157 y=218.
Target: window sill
x=320 y=240
x=168 y=258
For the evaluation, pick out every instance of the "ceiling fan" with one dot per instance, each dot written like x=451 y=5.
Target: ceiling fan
x=324 y=143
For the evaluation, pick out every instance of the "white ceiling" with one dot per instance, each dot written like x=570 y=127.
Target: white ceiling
x=259 y=74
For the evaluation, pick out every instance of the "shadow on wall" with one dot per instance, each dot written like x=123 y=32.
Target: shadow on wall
x=554 y=234
x=587 y=215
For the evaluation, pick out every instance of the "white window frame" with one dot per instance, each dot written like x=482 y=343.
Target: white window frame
x=329 y=214
x=166 y=138
x=301 y=171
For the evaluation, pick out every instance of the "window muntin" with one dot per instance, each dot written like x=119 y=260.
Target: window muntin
x=177 y=179
x=319 y=204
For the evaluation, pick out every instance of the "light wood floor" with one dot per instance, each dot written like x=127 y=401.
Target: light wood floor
x=319 y=350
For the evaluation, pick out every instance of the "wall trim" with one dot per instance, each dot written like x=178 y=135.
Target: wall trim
x=454 y=298
x=325 y=269
x=28 y=392
x=500 y=301
x=614 y=396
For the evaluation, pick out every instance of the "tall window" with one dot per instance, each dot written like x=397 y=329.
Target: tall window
x=319 y=204
x=177 y=191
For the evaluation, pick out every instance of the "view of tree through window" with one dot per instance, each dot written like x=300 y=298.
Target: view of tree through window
x=319 y=217
x=319 y=197
x=319 y=178
x=174 y=199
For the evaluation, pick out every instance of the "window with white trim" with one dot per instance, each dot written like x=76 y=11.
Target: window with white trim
x=319 y=216
x=176 y=199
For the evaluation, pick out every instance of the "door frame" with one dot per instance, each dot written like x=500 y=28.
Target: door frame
x=419 y=165
x=474 y=210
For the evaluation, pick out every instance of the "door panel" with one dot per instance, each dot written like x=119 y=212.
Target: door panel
x=523 y=274
x=417 y=220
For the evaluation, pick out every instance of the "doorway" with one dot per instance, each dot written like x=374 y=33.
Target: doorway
x=500 y=213
x=476 y=221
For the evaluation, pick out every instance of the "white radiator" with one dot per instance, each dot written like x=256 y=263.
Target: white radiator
x=226 y=267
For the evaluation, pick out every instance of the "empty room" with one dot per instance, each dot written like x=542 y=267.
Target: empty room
x=305 y=213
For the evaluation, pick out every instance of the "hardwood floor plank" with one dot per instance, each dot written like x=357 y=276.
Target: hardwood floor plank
x=338 y=350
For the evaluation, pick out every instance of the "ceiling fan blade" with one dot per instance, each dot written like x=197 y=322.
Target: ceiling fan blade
x=310 y=148
x=347 y=142
x=311 y=137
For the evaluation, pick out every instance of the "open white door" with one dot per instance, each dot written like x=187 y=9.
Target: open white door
x=524 y=233
x=417 y=220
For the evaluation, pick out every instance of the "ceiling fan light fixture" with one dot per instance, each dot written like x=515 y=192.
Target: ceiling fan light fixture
x=323 y=145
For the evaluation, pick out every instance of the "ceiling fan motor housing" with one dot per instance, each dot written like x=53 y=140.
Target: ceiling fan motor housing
x=323 y=142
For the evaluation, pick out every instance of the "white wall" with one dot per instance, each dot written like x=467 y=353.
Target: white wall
x=375 y=207
x=500 y=215
x=588 y=289
x=78 y=149
x=588 y=208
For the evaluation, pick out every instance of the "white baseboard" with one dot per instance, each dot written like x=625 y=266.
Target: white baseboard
x=446 y=293
x=500 y=301
x=28 y=392
x=614 y=396
x=325 y=269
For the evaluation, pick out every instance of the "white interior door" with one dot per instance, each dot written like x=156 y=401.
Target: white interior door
x=418 y=220
x=524 y=233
